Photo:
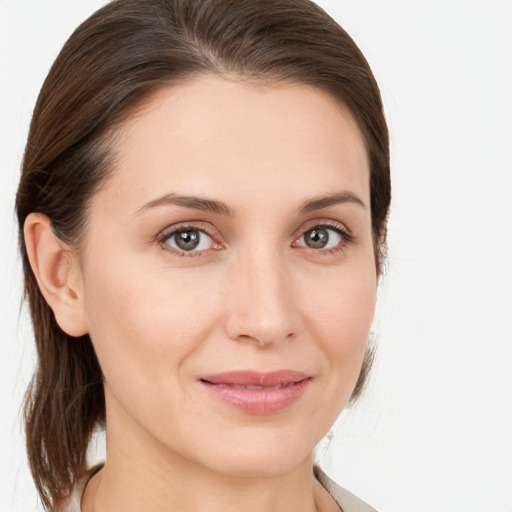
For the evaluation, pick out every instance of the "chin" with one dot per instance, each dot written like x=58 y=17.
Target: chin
x=270 y=455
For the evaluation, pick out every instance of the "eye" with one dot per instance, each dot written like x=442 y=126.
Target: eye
x=187 y=240
x=323 y=237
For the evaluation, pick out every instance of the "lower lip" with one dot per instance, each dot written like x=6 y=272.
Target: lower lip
x=259 y=401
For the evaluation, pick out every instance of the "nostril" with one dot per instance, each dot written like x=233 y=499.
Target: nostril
x=264 y=340
x=258 y=340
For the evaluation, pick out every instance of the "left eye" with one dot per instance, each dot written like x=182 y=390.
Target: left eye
x=188 y=240
x=321 y=237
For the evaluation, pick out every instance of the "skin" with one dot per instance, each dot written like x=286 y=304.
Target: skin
x=254 y=296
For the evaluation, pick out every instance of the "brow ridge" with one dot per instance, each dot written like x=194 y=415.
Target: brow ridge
x=219 y=207
x=194 y=202
x=318 y=203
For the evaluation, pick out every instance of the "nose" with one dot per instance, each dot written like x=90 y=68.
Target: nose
x=261 y=306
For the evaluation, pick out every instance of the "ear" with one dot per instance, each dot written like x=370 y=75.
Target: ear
x=56 y=269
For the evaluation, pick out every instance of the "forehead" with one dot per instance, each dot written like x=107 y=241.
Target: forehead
x=211 y=136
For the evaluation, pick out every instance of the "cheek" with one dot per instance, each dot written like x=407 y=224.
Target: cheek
x=341 y=314
x=144 y=322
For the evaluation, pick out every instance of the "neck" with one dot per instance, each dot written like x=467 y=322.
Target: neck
x=113 y=491
x=141 y=474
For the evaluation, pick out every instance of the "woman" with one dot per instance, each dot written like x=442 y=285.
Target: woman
x=203 y=210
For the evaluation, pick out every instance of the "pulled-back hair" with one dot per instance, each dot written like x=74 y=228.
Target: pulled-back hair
x=110 y=65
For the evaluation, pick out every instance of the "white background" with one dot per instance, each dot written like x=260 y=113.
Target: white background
x=434 y=430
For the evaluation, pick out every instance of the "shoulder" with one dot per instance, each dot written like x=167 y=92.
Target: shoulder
x=345 y=499
x=72 y=502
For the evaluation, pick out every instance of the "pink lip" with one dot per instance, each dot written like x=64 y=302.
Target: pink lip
x=258 y=393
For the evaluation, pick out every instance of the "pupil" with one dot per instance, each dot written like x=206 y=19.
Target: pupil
x=187 y=240
x=317 y=238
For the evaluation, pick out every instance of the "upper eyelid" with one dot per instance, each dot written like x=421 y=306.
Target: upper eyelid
x=329 y=223
x=183 y=226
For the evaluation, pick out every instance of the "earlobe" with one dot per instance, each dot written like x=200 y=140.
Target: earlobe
x=55 y=267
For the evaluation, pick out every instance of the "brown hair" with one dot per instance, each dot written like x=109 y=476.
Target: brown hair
x=112 y=63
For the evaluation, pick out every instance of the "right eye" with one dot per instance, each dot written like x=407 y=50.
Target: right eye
x=187 y=240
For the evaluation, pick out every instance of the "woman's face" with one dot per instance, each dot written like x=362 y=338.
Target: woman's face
x=228 y=275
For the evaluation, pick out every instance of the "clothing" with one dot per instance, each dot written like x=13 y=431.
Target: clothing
x=345 y=499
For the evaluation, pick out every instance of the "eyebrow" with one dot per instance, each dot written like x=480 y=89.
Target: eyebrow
x=193 y=202
x=317 y=203
x=221 y=208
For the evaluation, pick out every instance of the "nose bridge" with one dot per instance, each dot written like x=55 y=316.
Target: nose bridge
x=262 y=309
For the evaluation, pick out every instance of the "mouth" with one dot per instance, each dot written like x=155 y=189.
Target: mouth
x=258 y=393
x=248 y=386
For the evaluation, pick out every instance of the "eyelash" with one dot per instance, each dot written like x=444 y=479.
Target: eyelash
x=164 y=236
x=167 y=234
x=346 y=237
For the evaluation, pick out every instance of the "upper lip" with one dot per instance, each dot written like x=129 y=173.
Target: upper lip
x=255 y=378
